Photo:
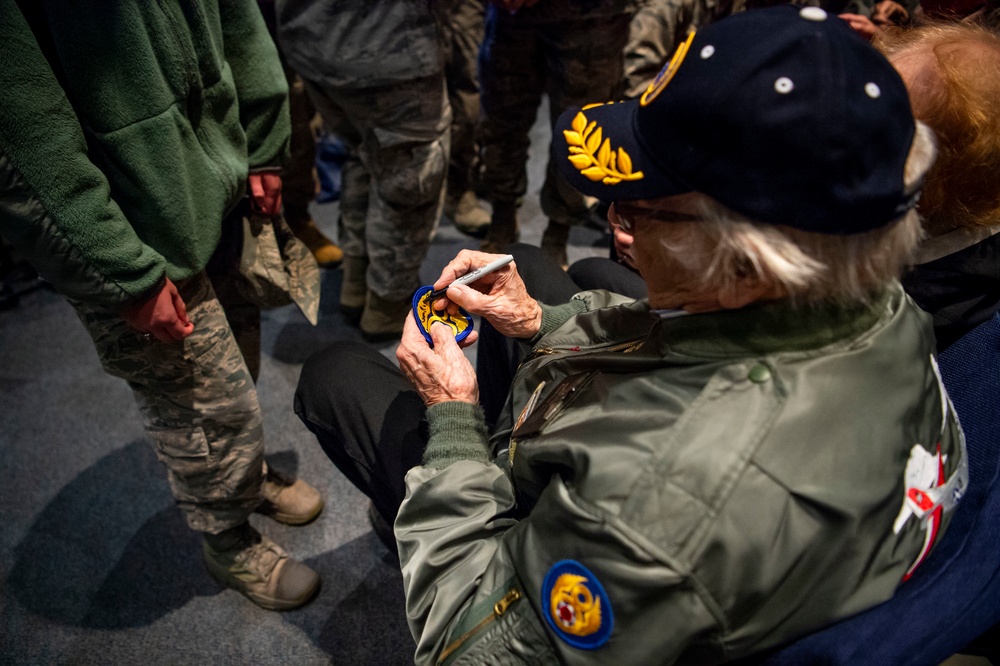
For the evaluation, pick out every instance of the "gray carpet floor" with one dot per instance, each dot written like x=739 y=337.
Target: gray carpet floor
x=96 y=563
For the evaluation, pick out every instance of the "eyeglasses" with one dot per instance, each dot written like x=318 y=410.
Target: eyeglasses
x=624 y=215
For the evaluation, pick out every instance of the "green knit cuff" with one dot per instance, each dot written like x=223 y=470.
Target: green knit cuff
x=554 y=316
x=457 y=432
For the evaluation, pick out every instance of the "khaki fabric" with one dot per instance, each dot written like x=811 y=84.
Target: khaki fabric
x=198 y=405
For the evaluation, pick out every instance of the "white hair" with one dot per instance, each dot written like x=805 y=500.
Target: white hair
x=727 y=248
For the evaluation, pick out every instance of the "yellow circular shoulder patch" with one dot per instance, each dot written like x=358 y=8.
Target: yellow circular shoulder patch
x=579 y=610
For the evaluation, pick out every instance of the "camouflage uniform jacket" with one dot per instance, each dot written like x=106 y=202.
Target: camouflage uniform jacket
x=691 y=489
x=658 y=27
x=363 y=43
x=127 y=133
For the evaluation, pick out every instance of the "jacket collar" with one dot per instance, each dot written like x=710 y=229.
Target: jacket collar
x=777 y=326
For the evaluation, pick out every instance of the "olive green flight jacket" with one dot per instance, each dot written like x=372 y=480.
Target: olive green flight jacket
x=727 y=481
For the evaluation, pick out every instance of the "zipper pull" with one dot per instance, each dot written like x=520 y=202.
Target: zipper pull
x=501 y=606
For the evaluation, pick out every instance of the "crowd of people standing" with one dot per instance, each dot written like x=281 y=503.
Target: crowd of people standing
x=760 y=243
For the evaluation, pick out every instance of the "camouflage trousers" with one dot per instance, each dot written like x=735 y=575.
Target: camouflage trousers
x=198 y=405
x=575 y=62
x=393 y=183
x=465 y=30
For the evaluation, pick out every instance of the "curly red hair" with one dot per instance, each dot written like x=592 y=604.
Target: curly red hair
x=952 y=72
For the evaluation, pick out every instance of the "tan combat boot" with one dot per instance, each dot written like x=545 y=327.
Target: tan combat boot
x=468 y=215
x=292 y=502
x=324 y=250
x=256 y=567
x=383 y=319
x=353 y=289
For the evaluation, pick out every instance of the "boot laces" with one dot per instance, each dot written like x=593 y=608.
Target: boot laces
x=260 y=558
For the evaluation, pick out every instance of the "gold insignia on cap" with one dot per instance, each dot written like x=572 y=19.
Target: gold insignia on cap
x=595 y=158
x=667 y=73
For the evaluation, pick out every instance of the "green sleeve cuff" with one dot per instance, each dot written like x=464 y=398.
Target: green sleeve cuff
x=554 y=316
x=457 y=432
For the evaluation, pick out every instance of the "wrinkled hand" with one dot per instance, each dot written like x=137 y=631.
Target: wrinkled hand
x=860 y=24
x=163 y=315
x=500 y=296
x=442 y=373
x=265 y=192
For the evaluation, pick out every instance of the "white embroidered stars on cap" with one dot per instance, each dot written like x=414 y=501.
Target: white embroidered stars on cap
x=872 y=90
x=813 y=13
x=784 y=85
x=707 y=52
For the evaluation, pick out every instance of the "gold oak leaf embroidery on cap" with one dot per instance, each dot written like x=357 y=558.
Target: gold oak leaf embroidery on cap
x=595 y=158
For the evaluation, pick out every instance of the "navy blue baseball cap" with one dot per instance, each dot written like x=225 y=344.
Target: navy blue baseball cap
x=783 y=115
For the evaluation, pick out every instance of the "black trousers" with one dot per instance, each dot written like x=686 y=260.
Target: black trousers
x=367 y=417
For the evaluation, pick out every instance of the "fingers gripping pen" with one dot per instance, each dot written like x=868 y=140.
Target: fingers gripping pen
x=471 y=277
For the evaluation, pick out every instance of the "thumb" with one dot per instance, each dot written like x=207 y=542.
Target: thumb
x=442 y=334
x=179 y=306
x=256 y=185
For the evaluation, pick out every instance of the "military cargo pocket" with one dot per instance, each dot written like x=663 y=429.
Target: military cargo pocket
x=412 y=171
x=183 y=451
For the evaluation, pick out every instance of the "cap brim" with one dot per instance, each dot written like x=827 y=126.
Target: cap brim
x=597 y=150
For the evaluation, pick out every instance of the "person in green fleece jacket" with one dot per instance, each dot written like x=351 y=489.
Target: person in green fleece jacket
x=130 y=133
x=760 y=448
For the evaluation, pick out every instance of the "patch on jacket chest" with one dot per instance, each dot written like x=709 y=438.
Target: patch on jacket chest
x=579 y=609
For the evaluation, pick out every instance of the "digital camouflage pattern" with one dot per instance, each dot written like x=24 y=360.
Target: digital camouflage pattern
x=363 y=43
x=374 y=70
x=658 y=27
x=277 y=268
x=464 y=31
x=198 y=405
x=393 y=182
x=575 y=61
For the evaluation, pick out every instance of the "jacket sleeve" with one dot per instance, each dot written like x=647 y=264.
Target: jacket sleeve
x=654 y=33
x=451 y=524
x=554 y=316
x=260 y=83
x=55 y=204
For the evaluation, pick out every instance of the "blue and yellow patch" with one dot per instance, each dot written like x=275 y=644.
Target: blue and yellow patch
x=579 y=610
x=426 y=315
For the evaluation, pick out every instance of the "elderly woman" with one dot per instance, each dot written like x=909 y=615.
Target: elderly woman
x=760 y=448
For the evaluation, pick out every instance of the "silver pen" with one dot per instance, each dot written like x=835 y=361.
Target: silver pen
x=494 y=265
